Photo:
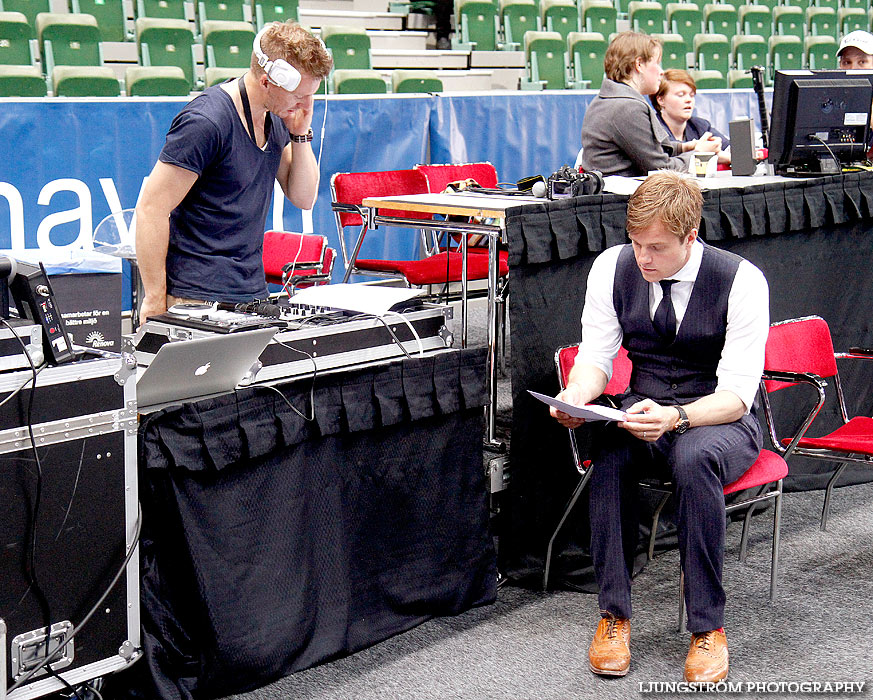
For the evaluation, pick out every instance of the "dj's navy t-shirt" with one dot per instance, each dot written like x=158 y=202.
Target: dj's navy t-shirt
x=217 y=232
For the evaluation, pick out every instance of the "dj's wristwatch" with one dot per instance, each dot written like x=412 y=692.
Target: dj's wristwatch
x=683 y=423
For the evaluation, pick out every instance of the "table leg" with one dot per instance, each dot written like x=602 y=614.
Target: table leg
x=463 y=288
x=491 y=442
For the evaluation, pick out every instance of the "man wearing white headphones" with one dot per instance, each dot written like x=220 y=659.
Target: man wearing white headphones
x=201 y=218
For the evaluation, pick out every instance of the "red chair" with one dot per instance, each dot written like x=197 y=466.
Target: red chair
x=800 y=351
x=767 y=471
x=296 y=260
x=441 y=268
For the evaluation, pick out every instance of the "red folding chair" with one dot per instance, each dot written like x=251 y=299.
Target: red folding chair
x=296 y=260
x=352 y=188
x=800 y=351
x=767 y=471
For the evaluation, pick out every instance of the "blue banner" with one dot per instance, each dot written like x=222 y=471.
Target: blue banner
x=68 y=163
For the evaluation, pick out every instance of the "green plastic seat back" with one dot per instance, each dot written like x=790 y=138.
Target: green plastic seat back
x=168 y=42
x=820 y=52
x=599 y=18
x=712 y=52
x=224 y=10
x=74 y=39
x=518 y=18
x=267 y=11
x=709 y=79
x=788 y=21
x=156 y=81
x=15 y=36
x=853 y=19
x=358 y=82
x=561 y=18
x=110 y=15
x=786 y=53
x=478 y=17
x=350 y=47
x=29 y=8
x=756 y=20
x=748 y=51
x=85 y=81
x=587 y=50
x=228 y=44
x=548 y=53
x=821 y=21
x=646 y=17
x=161 y=9
x=685 y=19
x=720 y=19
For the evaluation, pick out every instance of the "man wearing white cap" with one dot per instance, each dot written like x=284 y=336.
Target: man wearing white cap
x=856 y=51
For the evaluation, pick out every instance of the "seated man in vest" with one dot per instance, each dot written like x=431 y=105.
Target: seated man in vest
x=694 y=320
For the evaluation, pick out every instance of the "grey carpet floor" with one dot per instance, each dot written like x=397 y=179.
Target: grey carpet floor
x=532 y=645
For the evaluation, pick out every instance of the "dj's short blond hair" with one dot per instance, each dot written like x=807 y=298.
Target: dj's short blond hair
x=667 y=197
x=623 y=52
x=295 y=45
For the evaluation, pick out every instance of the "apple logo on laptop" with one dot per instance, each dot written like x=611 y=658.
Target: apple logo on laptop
x=202 y=369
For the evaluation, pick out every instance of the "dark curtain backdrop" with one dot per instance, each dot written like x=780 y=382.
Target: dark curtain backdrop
x=271 y=543
x=810 y=238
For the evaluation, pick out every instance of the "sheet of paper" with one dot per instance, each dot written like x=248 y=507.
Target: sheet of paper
x=588 y=411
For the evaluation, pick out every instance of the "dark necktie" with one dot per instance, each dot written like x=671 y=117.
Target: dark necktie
x=665 y=315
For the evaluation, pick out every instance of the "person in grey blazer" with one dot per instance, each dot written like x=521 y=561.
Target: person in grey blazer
x=621 y=133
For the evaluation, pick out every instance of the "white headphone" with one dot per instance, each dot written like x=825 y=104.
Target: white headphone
x=279 y=72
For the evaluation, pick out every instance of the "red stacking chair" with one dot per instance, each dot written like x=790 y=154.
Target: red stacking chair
x=297 y=259
x=767 y=471
x=485 y=174
x=800 y=351
x=353 y=188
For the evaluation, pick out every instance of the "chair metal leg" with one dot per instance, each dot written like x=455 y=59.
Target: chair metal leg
x=572 y=502
x=744 y=538
x=777 y=530
x=825 y=510
x=682 y=626
x=655 y=518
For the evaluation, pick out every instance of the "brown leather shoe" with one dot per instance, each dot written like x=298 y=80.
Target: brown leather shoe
x=707 y=660
x=609 y=653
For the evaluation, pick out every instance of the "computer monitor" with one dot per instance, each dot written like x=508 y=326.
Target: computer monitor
x=819 y=121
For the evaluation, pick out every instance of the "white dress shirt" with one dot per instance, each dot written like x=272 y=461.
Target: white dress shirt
x=748 y=320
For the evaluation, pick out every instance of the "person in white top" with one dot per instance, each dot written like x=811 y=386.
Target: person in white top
x=694 y=320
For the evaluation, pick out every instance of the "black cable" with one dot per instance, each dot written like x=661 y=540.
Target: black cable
x=63 y=680
x=78 y=628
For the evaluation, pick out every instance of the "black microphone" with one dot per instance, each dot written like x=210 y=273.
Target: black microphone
x=8 y=267
x=252 y=307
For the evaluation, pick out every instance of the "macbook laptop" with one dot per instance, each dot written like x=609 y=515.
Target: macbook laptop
x=211 y=365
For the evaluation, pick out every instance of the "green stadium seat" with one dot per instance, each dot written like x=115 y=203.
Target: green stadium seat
x=517 y=17
x=161 y=9
x=478 y=20
x=748 y=51
x=673 y=53
x=857 y=4
x=708 y=79
x=559 y=16
x=740 y=79
x=587 y=50
x=770 y=4
x=851 y=19
x=67 y=39
x=21 y=81
x=358 y=81
x=15 y=36
x=213 y=76
x=685 y=18
x=833 y=4
x=110 y=15
x=598 y=16
x=720 y=18
x=226 y=10
x=545 y=55
x=820 y=52
x=85 y=81
x=821 y=21
x=350 y=47
x=227 y=44
x=29 y=8
x=785 y=53
x=155 y=81
x=166 y=42
x=646 y=16
x=757 y=20
x=712 y=52
x=416 y=81
x=736 y=4
x=788 y=21
x=267 y=11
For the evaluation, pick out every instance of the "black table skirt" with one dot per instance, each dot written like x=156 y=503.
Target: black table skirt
x=272 y=543
x=812 y=239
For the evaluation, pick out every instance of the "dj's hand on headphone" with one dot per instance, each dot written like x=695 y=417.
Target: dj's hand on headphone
x=299 y=119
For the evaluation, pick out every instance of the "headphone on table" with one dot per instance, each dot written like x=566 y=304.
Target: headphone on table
x=279 y=72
